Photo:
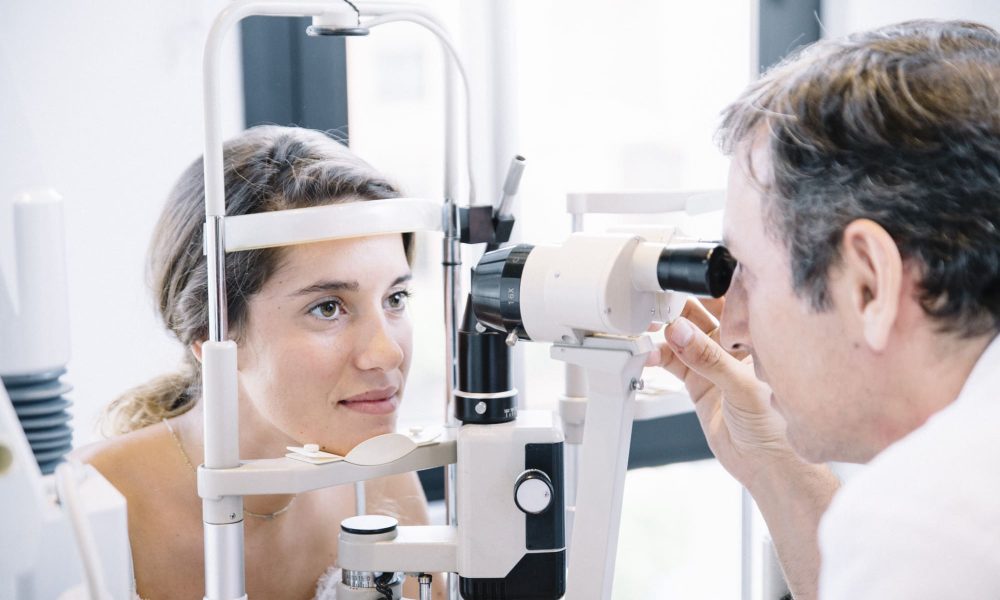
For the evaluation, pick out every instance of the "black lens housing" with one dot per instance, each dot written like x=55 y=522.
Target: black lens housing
x=496 y=288
x=485 y=394
x=700 y=269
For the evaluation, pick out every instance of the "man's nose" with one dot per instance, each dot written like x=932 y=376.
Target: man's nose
x=734 y=331
x=380 y=348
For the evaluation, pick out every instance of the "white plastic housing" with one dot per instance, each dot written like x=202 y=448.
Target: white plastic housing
x=591 y=284
x=334 y=221
x=38 y=555
x=644 y=202
x=427 y=548
x=23 y=499
x=218 y=360
x=491 y=528
x=337 y=16
x=34 y=310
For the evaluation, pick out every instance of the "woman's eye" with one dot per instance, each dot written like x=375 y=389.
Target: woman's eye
x=328 y=310
x=398 y=300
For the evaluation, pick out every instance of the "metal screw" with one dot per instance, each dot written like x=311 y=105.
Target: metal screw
x=480 y=328
x=637 y=384
x=512 y=339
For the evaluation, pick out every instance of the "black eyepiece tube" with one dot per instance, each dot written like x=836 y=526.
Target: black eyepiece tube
x=701 y=269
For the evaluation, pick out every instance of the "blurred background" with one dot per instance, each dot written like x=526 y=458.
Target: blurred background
x=102 y=102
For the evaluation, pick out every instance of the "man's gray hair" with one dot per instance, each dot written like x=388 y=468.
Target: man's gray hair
x=900 y=125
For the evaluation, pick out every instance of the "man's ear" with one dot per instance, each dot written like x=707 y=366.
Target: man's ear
x=873 y=268
x=196 y=350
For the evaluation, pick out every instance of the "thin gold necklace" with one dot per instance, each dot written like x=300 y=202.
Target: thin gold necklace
x=187 y=459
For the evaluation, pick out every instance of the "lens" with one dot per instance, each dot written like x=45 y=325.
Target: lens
x=496 y=288
x=701 y=269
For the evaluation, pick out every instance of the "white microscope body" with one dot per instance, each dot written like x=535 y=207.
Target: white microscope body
x=593 y=297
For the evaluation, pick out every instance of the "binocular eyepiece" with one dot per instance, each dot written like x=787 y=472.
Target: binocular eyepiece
x=591 y=284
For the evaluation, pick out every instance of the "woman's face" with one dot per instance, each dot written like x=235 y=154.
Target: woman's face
x=328 y=341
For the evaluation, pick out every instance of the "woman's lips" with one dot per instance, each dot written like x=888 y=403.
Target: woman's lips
x=373 y=402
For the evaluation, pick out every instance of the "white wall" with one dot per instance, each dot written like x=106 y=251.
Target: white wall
x=844 y=16
x=102 y=101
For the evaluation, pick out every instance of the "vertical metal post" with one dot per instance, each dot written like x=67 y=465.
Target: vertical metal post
x=222 y=517
x=360 y=501
x=425 y=586
x=451 y=262
x=215 y=251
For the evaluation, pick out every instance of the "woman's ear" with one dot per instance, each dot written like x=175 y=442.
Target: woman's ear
x=196 y=350
x=873 y=268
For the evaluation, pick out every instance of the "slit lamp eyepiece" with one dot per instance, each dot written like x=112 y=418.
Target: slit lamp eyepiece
x=592 y=285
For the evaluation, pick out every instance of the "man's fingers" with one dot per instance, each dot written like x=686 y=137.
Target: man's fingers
x=714 y=306
x=702 y=354
x=698 y=314
x=663 y=356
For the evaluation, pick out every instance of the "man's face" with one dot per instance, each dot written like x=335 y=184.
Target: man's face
x=804 y=355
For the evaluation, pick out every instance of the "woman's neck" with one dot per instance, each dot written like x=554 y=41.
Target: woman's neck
x=258 y=439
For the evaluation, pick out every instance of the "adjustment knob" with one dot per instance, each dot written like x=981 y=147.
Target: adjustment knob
x=369 y=525
x=533 y=492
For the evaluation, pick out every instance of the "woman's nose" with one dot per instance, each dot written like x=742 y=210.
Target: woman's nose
x=379 y=347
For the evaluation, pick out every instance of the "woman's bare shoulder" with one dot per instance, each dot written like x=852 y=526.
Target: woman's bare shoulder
x=131 y=459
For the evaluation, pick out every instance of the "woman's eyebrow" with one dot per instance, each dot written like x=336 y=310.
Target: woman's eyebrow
x=328 y=286
x=341 y=286
x=402 y=279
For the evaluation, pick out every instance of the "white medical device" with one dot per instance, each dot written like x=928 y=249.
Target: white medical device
x=505 y=513
x=34 y=324
x=593 y=297
x=64 y=537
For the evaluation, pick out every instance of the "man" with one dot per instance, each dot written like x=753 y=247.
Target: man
x=864 y=210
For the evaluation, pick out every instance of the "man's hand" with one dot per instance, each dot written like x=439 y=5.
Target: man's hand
x=744 y=432
x=748 y=437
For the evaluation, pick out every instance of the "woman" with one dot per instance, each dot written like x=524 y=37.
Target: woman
x=324 y=344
